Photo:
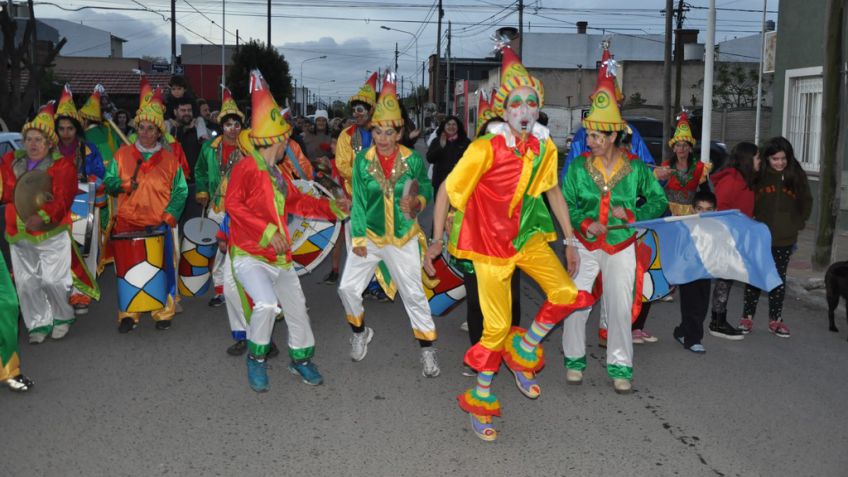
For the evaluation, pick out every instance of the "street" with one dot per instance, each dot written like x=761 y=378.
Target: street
x=174 y=403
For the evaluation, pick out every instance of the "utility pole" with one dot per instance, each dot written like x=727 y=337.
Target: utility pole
x=678 y=53
x=832 y=125
x=223 y=42
x=269 y=23
x=396 y=57
x=669 y=5
x=438 y=57
x=520 y=28
x=237 y=41
x=709 y=72
x=173 y=36
x=448 y=85
x=760 y=75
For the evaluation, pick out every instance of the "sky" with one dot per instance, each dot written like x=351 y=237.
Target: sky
x=349 y=32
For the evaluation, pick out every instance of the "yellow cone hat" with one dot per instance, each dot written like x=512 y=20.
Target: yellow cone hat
x=66 y=106
x=151 y=106
x=91 y=109
x=368 y=93
x=268 y=126
x=229 y=106
x=683 y=133
x=514 y=75
x=43 y=121
x=484 y=110
x=604 y=114
x=387 y=113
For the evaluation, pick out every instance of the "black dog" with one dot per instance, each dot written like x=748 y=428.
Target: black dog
x=836 y=284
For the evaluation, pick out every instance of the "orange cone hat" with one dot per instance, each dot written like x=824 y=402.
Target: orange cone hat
x=229 y=106
x=368 y=93
x=610 y=68
x=267 y=123
x=514 y=75
x=66 y=106
x=387 y=113
x=145 y=92
x=91 y=109
x=151 y=106
x=43 y=121
x=604 y=114
x=484 y=110
x=683 y=133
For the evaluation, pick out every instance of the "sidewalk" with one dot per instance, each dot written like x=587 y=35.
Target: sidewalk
x=804 y=284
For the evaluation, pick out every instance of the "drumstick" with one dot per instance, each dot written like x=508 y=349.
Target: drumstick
x=134 y=176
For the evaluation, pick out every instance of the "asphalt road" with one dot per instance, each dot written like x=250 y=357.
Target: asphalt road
x=174 y=403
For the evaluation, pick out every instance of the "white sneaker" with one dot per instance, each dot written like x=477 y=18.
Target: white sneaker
x=573 y=376
x=59 y=331
x=36 y=338
x=464 y=326
x=622 y=386
x=359 y=344
x=431 y=364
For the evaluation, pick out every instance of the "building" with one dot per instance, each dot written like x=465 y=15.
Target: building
x=202 y=67
x=83 y=40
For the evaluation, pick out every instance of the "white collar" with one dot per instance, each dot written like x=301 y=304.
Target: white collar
x=502 y=129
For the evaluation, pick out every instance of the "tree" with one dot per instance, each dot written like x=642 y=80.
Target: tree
x=735 y=85
x=636 y=99
x=16 y=97
x=274 y=67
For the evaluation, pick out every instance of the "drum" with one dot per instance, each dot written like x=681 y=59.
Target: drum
x=198 y=249
x=139 y=266
x=654 y=285
x=84 y=220
x=312 y=239
x=449 y=288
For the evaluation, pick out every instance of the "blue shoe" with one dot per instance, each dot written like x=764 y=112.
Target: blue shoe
x=257 y=374
x=308 y=371
x=697 y=348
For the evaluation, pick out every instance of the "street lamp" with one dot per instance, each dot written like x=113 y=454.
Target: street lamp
x=303 y=88
x=319 y=89
x=415 y=38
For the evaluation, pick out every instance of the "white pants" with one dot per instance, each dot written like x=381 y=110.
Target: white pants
x=219 y=264
x=235 y=312
x=43 y=280
x=404 y=264
x=619 y=272
x=271 y=287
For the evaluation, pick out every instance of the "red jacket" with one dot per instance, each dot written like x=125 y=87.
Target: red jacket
x=63 y=173
x=254 y=218
x=732 y=192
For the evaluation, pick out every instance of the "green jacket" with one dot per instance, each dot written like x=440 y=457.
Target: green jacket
x=375 y=213
x=105 y=140
x=208 y=173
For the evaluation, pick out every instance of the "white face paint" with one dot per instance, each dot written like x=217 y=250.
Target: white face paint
x=522 y=109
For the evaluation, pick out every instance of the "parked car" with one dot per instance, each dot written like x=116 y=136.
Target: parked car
x=10 y=141
x=651 y=131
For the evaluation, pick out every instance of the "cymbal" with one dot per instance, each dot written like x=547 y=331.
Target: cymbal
x=32 y=191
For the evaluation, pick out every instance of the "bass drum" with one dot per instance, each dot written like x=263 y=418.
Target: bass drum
x=312 y=239
x=85 y=221
x=655 y=286
x=448 y=287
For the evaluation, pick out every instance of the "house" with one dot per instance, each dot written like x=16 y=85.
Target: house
x=84 y=40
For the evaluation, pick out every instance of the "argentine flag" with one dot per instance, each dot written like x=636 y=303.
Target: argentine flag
x=724 y=244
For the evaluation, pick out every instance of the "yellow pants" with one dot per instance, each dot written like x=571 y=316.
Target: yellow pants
x=540 y=263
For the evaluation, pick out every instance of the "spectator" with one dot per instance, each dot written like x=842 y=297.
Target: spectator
x=783 y=202
x=178 y=89
x=185 y=131
x=317 y=139
x=445 y=152
x=122 y=120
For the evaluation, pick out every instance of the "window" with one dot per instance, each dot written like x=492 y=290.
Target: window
x=802 y=112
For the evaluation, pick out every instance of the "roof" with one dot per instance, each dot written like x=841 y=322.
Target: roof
x=115 y=82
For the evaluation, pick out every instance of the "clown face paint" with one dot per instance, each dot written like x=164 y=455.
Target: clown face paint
x=522 y=109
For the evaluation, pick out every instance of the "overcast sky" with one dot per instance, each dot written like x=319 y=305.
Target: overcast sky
x=348 y=32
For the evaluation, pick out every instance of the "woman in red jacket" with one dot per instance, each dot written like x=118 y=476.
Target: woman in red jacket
x=733 y=189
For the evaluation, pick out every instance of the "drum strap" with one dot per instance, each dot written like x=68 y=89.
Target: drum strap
x=295 y=163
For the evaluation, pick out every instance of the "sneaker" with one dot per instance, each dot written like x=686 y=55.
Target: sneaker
x=217 y=301
x=331 y=279
x=163 y=325
x=238 y=348
x=622 y=386
x=482 y=427
x=723 y=329
x=468 y=371
x=273 y=351
x=648 y=338
x=80 y=309
x=746 y=325
x=464 y=326
x=668 y=298
x=637 y=337
x=59 y=331
x=37 y=337
x=359 y=344
x=380 y=295
x=281 y=316
x=680 y=340
x=573 y=376
x=257 y=374
x=20 y=383
x=308 y=371
x=431 y=364
x=127 y=325
x=698 y=348
x=779 y=329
